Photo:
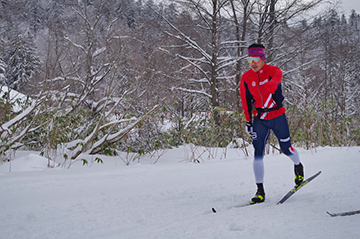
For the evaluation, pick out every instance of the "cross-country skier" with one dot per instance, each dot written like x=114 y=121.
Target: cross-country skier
x=261 y=97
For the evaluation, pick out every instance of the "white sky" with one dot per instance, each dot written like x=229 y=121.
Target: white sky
x=341 y=6
x=349 y=5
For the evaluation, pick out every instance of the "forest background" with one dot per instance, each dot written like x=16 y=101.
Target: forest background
x=103 y=76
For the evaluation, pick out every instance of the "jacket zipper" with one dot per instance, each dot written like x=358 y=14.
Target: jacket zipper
x=262 y=98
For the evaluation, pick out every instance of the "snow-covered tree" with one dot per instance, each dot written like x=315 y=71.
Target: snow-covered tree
x=22 y=60
x=91 y=85
x=206 y=51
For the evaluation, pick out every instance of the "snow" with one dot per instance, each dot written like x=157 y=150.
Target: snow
x=173 y=198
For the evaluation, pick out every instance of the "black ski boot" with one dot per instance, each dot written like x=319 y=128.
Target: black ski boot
x=299 y=174
x=260 y=194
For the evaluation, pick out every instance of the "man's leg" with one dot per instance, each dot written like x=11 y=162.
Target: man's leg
x=281 y=131
x=260 y=135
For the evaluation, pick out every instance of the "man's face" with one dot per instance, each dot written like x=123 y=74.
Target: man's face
x=256 y=66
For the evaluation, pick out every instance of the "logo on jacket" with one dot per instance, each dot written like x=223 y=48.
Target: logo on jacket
x=264 y=82
x=253 y=83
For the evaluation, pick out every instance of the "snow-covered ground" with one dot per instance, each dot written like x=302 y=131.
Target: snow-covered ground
x=173 y=198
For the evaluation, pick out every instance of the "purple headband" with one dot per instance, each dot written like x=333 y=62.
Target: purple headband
x=257 y=51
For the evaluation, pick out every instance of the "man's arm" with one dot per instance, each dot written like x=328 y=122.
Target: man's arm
x=275 y=79
x=246 y=100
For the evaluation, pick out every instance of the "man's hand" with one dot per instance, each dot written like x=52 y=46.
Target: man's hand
x=249 y=127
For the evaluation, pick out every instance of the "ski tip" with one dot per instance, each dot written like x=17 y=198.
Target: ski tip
x=344 y=213
x=329 y=213
x=213 y=210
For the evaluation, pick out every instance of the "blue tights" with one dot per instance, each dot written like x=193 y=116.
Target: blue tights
x=261 y=129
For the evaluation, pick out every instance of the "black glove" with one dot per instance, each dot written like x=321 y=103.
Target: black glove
x=249 y=127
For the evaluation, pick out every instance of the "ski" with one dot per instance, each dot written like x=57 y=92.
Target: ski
x=286 y=197
x=341 y=214
x=236 y=206
x=295 y=189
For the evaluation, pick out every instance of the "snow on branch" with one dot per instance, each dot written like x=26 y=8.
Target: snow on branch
x=15 y=129
x=75 y=44
x=99 y=51
x=195 y=65
x=186 y=39
x=193 y=91
x=111 y=138
x=5 y=128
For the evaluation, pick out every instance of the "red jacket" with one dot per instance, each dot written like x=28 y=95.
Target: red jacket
x=262 y=90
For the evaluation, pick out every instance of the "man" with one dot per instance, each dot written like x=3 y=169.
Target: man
x=261 y=97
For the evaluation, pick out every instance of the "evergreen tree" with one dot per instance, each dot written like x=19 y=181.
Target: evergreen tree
x=22 y=61
x=35 y=15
